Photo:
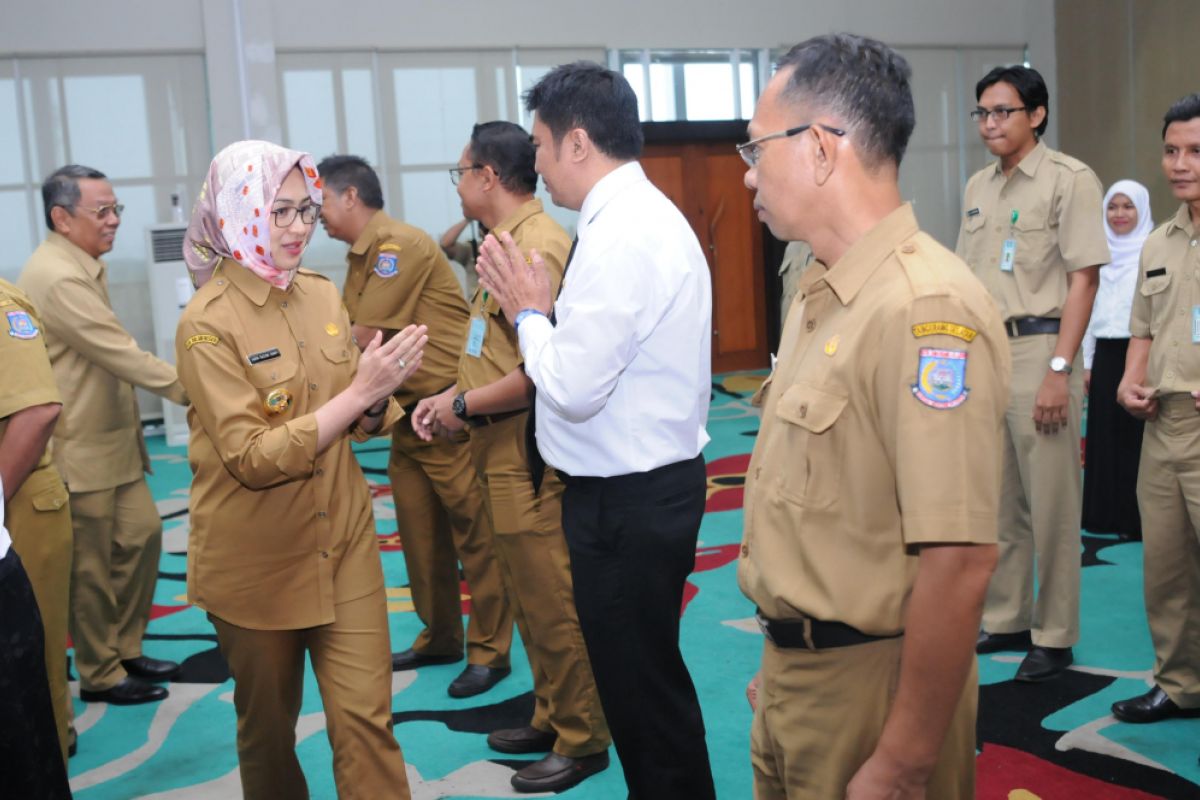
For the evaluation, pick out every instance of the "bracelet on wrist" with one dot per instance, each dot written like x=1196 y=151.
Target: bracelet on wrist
x=525 y=313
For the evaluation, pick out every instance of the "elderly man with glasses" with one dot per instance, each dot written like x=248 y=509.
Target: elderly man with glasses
x=98 y=444
x=871 y=495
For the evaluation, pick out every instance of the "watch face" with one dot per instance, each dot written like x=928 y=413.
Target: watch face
x=458 y=406
x=1058 y=364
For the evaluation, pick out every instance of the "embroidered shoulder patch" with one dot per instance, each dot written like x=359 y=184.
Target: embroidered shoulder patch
x=201 y=338
x=20 y=325
x=945 y=329
x=941 y=378
x=385 y=265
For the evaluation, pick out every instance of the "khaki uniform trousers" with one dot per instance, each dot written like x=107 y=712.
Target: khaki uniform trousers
x=352 y=660
x=118 y=541
x=536 y=566
x=1040 y=501
x=821 y=712
x=441 y=521
x=1169 y=499
x=39 y=519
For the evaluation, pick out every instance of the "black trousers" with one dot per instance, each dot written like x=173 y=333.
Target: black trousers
x=1114 y=447
x=31 y=762
x=633 y=544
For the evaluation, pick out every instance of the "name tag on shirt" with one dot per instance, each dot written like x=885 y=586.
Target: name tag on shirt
x=265 y=355
x=1195 y=324
x=475 y=337
x=1008 y=255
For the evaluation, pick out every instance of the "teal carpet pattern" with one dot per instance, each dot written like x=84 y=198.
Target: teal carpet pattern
x=1053 y=740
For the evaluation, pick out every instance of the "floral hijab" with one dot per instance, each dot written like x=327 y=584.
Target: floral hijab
x=232 y=216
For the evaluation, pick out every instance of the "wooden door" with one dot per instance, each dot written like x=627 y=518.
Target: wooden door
x=704 y=179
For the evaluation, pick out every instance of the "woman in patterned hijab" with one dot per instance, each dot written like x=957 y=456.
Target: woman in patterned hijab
x=282 y=549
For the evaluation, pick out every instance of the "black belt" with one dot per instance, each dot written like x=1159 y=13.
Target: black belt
x=1030 y=326
x=813 y=634
x=480 y=420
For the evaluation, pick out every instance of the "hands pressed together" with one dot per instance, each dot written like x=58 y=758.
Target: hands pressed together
x=384 y=366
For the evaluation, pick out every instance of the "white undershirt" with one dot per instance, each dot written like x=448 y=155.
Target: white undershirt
x=623 y=381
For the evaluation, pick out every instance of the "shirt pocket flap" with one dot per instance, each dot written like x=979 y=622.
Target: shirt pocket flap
x=52 y=498
x=271 y=373
x=811 y=407
x=337 y=352
x=1033 y=221
x=974 y=222
x=1155 y=285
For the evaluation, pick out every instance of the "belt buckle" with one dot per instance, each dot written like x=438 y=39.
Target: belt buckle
x=764 y=627
x=1011 y=326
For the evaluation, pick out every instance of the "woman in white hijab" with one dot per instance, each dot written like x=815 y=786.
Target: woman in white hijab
x=1114 y=438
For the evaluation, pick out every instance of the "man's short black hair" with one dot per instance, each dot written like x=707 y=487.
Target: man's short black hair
x=341 y=172
x=1184 y=109
x=62 y=188
x=862 y=83
x=1028 y=82
x=506 y=148
x=586 y=95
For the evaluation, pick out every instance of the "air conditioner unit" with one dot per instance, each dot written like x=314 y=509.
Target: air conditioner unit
x=170 y=290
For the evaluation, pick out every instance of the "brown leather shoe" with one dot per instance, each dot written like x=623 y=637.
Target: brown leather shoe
x=554 y=773
x=522 y=740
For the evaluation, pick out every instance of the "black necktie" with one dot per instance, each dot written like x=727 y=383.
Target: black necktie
x=537 y=466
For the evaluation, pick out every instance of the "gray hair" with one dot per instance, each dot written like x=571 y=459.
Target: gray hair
x=863 y=83
x=62 y=188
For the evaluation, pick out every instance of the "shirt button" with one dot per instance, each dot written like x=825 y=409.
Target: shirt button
x=324 y=554
x=321 y=514
x=220 y=283
x=320 y=471
x=283 y=304
x=810 y=325
x=745 y=550
x=803 y=410
x=300 y=343
x=312 y=386
x=908 y=249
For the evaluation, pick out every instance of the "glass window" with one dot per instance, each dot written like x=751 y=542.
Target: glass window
x=15 y=232
x=708 y=91
x=11 y=157
x=311 y=123
x=430 y=201
x=359 y=96
x=435 y=110
x=107 y=126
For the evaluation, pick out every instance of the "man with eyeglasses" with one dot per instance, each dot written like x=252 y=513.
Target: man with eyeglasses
x=496 y=181
x=871 y=495
x=399 y=276
x=98 y=444
x=1032 y=231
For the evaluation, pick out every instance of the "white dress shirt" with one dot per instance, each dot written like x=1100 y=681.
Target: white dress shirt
x=623 y=381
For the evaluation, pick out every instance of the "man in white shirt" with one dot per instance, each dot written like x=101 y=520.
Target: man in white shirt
x=621 y=368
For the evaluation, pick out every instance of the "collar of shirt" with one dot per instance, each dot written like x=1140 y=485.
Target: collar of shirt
x=1182 y=221
x=605 y=190
x=1029 y=164
x=94 y=267
x=367 y=238
x=850 y=273
x=522 y=213
x=248 y=283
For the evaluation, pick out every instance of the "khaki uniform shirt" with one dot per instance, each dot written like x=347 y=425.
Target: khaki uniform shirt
x=28 y=379
x=1166 y=305
x=398 y=276
x=279 y=533
x=499 y=353
x=1051 y=206
x=881 y=430
x=98 y=441
x=797 y=258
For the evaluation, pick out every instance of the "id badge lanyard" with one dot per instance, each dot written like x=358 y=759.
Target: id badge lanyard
x=1008 y=252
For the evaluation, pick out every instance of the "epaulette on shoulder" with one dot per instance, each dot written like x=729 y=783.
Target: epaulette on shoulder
x=1070 y=162
x=925 y=263
x=314 y=274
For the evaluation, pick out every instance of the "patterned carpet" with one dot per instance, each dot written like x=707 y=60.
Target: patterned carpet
x=1047 y=741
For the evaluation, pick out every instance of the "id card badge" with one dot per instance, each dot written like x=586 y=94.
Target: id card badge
x=1195 y=324
x=475 y=337
x=1008 y=255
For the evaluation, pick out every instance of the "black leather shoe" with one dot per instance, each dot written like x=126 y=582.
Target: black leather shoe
x=554 y=773
x=476 y=680
x=522 y=740
x=129 y=692
x=1153 y=706
x=996 y=642
x=150 y=669
x=1044 y=663
x=411 y=659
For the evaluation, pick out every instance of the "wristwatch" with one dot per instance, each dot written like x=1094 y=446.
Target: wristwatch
x=459 y=407
x=1060 y=365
